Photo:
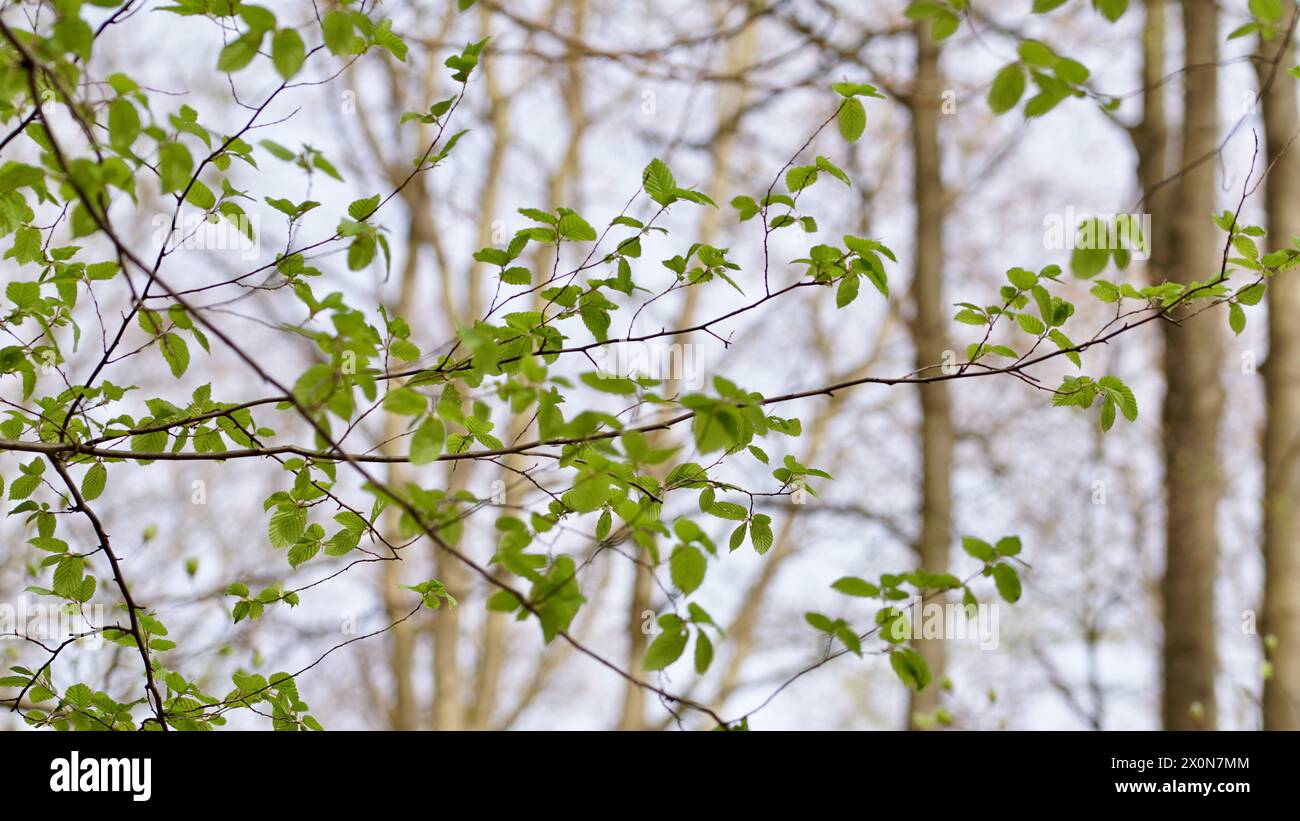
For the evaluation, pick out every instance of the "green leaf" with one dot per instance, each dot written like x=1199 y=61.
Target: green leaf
x=854 y=586
x=910 y=667
x=703 y=652
x=978 y=548
x=845 y=634
x=820 y=622
x=659 y=182
x=1122 y=395
x=728 y=510
x=278 y=151
x=303 y=552
x=852 y=119
x=687 y=566
x=1008 y=546
x=337 y=31
x=1107 y=413
x=665 y=649
x=856 y=90
x=1251 y=294
x=800 y=177
x=287 y=525
x=386 y=39
x=288 y=53
x=574 y=227
x=49 y=545
x=123 y=125
x=738 y=537
x=24 y=295
x=1112 y=10
x=314 y=385
x=1007 y=89
x=79 y=695
x=1071 y=71
x=1063 y=342
x=847 y=291
x=1007 y=581
x=363 y=208
x=609 y=383
x=239 y=53
x=426 y=444
x=361 y=252
x=92 y=484
x=760 y=533
x=1030 y=324
x=176 y=352
x=1036 y=53
x=341 y=543
x=175 y=164
x=589 y=493
x=200 y=196
x=405 y=402
x=827 y=166
x=1236 y=318
x=67 y=576
x=1022 y=279
x=1086 y=263
x=404 y=350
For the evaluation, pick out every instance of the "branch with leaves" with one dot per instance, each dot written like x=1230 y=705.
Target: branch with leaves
x=504 y=364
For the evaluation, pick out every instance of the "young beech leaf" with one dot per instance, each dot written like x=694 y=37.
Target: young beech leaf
x=1007 y=581
x=1007 y=89
x=288 y=52
x=852 y=119
x=92 y=484
x=703 y=652
x=426 y=444
x=688 y=567
x=665 y=649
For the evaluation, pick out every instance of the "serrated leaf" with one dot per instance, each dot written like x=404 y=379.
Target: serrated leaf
x=852 y=119
x=287 y=525
x=92 y=484
x=760 y=533
x=665 y=649
x=176 y=352
x=659 y=182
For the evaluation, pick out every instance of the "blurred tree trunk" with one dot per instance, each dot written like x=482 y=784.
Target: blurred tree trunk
x=1193 y=399
x=1151 y=141
x=738 y=58
x=930 y=341
x=1281 y=616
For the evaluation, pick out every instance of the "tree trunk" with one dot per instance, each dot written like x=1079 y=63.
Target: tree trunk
x=1281 y=609
x=930 y=341
x=1193 y=400
x=1151 y=141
